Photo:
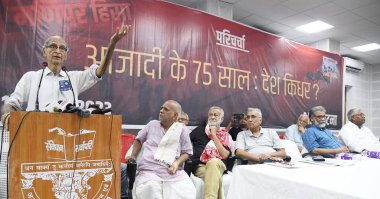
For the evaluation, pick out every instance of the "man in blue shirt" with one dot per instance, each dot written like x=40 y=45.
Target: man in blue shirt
x=319 y=140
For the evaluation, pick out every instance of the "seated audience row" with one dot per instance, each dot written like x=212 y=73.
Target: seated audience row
x=317 y=139
x=168 y=144
x=158 y=173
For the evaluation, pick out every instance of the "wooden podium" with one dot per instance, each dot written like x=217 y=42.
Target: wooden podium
x=60 y=155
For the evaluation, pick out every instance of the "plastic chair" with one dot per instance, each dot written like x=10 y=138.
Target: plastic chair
x=291 y=150
x=126 y=142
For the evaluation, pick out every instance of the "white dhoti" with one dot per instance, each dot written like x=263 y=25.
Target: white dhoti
x=183 y=189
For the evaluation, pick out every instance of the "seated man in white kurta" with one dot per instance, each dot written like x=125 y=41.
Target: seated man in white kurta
x=356 y=136
x=167 y=146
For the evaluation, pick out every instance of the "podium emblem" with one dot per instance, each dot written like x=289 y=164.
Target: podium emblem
x=69 y=174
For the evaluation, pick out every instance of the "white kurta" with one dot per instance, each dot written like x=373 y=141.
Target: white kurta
x=358 y=139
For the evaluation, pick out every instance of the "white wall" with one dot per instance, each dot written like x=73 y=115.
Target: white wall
x=375 y=100
x=363 y=91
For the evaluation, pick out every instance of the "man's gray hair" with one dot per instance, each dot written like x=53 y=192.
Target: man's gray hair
x=255 y=110
x=183 y=113
x=48 y=40
x=353 y=112
x=315 y=109
x=303 y=115
x=217 y=107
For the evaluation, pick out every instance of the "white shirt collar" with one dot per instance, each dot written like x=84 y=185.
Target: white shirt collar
x=49 y=72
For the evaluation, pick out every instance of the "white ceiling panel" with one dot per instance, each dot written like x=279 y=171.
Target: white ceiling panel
x=308 y=39
x=324 y=11
x=239 y=14
x=291 y=34
x=352 y=4
x=331 y=33
x=277 y=28
x=367 y=33
x=359 y=26
x=354 y=43
x=375 y=39
x=256 y=7
x=256 y=20
x=375 y=19
x=297 y=20
x=342 y=18
x=278 y=12
x=303 y=4
x=346 y=37
x=257 y=3
x=367 y=11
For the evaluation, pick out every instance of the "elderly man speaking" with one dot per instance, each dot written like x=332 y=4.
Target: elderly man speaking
x=51 y=84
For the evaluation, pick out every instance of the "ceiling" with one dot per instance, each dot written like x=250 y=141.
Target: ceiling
x=356 y=22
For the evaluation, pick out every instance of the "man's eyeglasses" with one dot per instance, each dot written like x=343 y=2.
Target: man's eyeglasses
x=303 y=121
x=251 y=117
x=183 y=119
x=61 y=48
x=359 y=114
x=214 y=114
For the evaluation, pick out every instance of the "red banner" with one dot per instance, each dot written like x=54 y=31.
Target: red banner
x=176 y=53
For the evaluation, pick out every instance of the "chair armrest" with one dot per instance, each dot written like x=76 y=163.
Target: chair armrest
x=188 y=167
x=131 y=172
x=231 y=162
x=241 y=161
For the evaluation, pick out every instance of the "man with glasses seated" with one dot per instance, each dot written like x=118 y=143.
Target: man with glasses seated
x=52 y=84
x=295 y=131
x=318 y=139
x=356 y=136
x=183 y=118
x=257 y=144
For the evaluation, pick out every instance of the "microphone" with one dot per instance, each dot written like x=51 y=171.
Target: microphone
x=287 y=159
x=70 y=108
x=101 y=111
x=44 y=64
x=53 y=107
x=37 y=103
x=94 y=109
x=107 y=110
x=59 y=106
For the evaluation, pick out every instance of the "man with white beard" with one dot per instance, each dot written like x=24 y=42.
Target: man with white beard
x=318 y=139
x=212 y=146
